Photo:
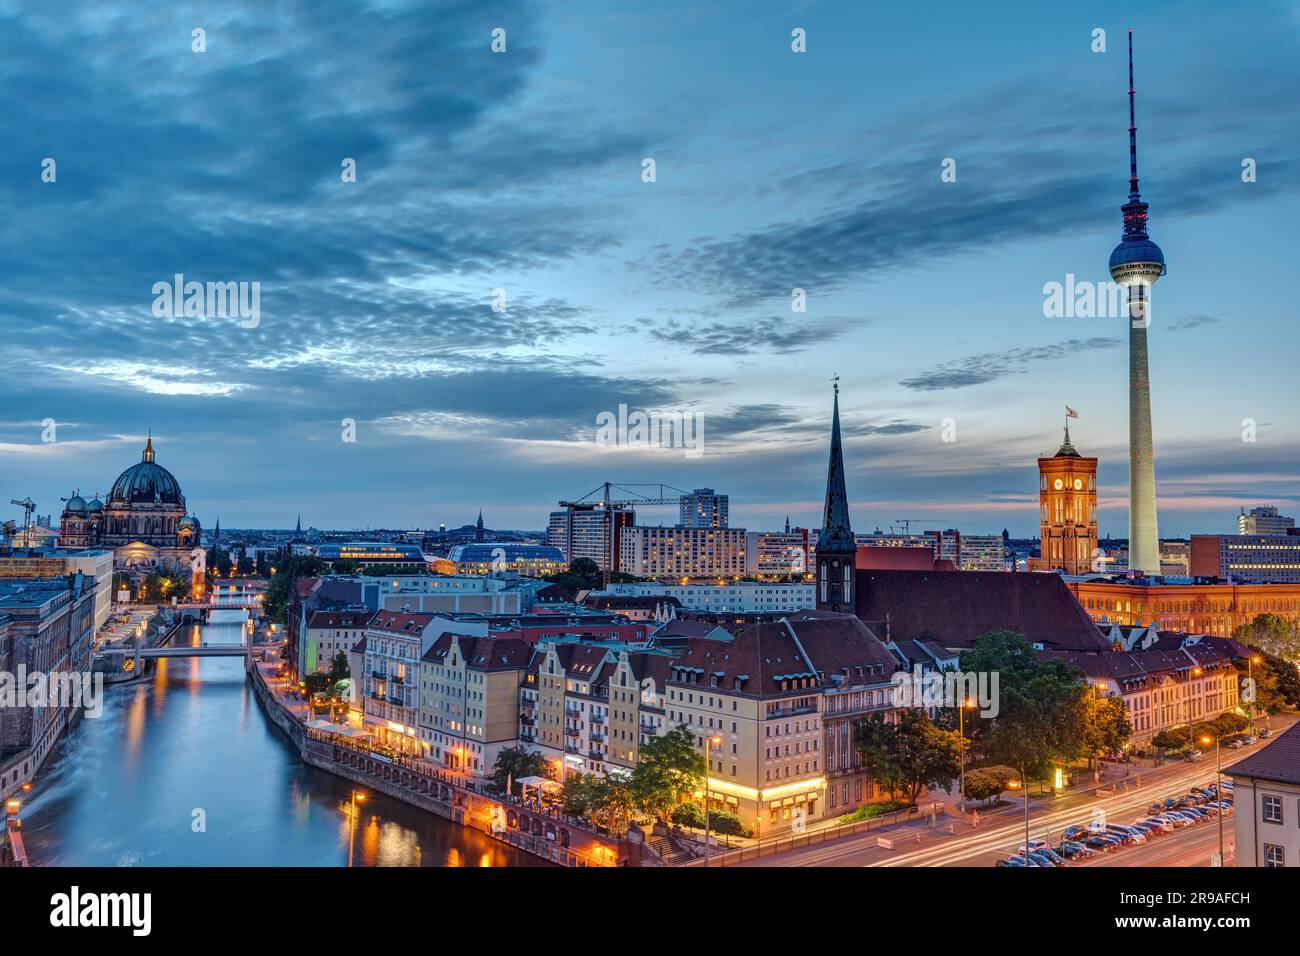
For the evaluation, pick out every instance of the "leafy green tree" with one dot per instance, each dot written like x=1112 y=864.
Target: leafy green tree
x=727 y=824
x=985 y=783
x=577 y=794
x=687 y=815
x=1106 y=724
x=1040 y=718
x=669 y=769
x=345 y=566
x=911 y=753
x=515 y=763
x=1273 y=634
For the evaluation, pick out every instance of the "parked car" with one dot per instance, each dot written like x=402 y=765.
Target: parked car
x=1102 y=843
x=1248 y=740
x=1236 y=745
x=1074 y=850
x=1011 y=861
x=1192 y=756
x=1056 y=858
x=1146 y=829
x=1266 y=732
x=1073 y=833
x=1042 y=859
x=1156 y=824
x=1033 y=845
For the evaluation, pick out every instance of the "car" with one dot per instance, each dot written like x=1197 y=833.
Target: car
x=1041 y=858
x=1199 y=812
x=1074 y=849
x=1177 y=819
x=1146 y=829
x=1236 y=745
x=1136 y=835
x=1248 y=740
x=1033 y=845
x=1011 y=861
x=1056 y=858
x=1156 y=824
x=1171 y=803
x=1073 y=833
x=1192 y=756
x=1266 y=732
x=1098 y=842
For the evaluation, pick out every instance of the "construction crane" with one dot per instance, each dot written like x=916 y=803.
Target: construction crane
x=667 y=495
x=28 y=507
x=908 y=522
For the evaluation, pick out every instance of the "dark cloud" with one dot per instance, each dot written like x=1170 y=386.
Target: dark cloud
x=991 y=366
x=770 y=334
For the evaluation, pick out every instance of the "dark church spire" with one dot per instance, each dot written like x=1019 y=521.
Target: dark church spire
x=836 y=548
x=836 y=533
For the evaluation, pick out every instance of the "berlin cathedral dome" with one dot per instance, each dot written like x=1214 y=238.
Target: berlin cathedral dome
x=143 y=519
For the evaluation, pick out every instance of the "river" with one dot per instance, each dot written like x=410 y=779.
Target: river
x=191 y=745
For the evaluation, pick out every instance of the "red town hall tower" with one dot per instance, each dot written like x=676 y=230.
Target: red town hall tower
x=1067 y=495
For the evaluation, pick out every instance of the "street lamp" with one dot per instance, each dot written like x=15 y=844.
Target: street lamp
x=355 y=799
x=1218 y=790
x=1250 y=673
x=717 y=742
x=1023 y=782
x=961 y=730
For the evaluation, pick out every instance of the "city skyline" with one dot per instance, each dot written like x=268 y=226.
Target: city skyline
x=376 y=301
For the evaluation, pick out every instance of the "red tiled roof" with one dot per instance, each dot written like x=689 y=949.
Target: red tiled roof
x=955 y=608
x=397 y=622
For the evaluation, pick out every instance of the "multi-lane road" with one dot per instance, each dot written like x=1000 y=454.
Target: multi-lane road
x=956 y=843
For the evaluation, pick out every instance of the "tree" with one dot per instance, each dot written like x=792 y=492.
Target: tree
x=515 y=763
x=346 y=566
x=985 y=783
x=1106 y=727
x=727 y=824
x=577 y=796
x=339 y=669
x=246 y=566
x=687 y=815
x=1040 y=718
x=669 y=769
x=911 y=753
x=1273 y=634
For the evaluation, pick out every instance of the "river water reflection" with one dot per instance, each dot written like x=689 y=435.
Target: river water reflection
x=192 y=743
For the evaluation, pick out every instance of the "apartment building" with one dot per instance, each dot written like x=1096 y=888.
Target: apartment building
x=1163 y=689
x=635 y=685
x=327 y=634
x=47 y=627
x=469 y=706
x=771 y=554
x=682 y=553
x=740 y=597
x=565 y=706
x=396 y=642
x=762 y=698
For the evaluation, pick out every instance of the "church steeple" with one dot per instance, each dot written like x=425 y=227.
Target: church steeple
x=836 y=547
x=298 y=527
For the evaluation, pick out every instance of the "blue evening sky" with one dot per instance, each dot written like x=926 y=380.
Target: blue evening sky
x=522 y=172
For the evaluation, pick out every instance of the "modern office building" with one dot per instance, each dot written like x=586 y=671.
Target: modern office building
x=1247 y=558
x=519 y=557
x=371 y=553
x=586 y=532
x=772 y=554
x=1264 y=520
x=703 y=508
